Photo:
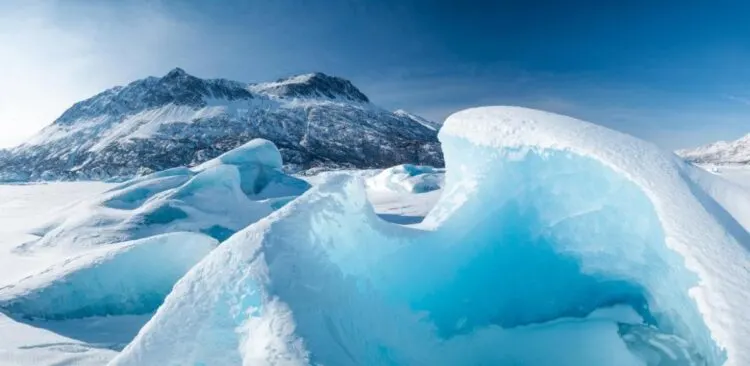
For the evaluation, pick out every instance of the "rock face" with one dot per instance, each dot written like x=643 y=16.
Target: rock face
x=720 y=152
x=154 y=124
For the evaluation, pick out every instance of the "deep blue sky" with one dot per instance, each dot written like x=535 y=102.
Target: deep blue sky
x=673 y=72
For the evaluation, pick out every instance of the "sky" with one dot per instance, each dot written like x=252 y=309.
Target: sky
x=673 y=72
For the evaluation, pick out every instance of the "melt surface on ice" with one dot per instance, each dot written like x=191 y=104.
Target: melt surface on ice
x=556 y=242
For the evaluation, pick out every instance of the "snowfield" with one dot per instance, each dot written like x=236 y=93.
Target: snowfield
x=545 y=241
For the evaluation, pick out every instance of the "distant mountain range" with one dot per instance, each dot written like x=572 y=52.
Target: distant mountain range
x=156 y=123
x=720 y=153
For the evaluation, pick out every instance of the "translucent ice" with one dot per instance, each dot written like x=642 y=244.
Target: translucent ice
x=407 y=178
x=127 y=278
x=556 y=242
x=122 y=252
x=217 y=198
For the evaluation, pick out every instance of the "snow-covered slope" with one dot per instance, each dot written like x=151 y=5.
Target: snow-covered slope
x=181 y=120
x=720 y=153
x=555 y=242
x=421 y=120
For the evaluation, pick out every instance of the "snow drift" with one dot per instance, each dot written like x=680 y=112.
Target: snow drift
x=556 y=242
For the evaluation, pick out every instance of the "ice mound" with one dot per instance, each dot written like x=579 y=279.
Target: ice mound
x=127 y=278
x=556 y=242
x=407 y=178
x=216 y=198
x=255 y=152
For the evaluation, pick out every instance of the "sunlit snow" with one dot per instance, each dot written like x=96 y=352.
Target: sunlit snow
x=555 y=242
x=546 y=241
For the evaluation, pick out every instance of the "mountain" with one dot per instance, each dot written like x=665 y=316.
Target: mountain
x=422 y=121
x=720 y=153
x=316 y=120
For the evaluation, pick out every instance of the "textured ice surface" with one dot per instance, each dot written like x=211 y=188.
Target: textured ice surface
x=257 y=151
x=105 y=265
x=216 y=198
x=127 y=278
x=556 y=242
x=407 y=178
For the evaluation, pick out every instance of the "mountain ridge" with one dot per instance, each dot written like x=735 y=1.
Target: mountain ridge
x=734 y=152
x=155 y=123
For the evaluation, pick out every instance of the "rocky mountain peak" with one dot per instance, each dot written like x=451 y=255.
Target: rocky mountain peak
x=176 y=87
x=178 y=119
x=313 y=85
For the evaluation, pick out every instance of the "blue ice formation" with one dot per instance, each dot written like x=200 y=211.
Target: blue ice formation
x=556 y=242
x=121 y=253
x=216 y=198
x=407 y=178
x=126 y=278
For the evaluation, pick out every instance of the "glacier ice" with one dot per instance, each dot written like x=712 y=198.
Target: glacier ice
x=407 y=178
x=217 y=198
x=124 y=278
x=556 y=242
x=122 y=252
x=256 y=151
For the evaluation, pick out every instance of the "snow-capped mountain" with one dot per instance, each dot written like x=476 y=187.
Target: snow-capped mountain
x=152 y=124
x=421 y=120
x=721 y=152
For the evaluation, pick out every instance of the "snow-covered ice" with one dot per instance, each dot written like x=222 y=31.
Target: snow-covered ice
x=555 y=241
x=22 y=207
x=109 y=260
x=216 y=198
x=407 y=178
x=122 y=278
x=548 y=241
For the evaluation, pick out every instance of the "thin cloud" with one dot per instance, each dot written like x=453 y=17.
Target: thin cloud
x=738 y=99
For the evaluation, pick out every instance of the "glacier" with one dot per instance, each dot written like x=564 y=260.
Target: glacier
x=121 y=252
x=555 y=242
x=217 y=198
